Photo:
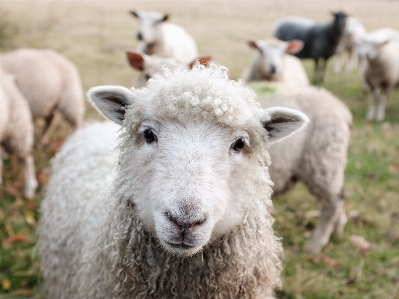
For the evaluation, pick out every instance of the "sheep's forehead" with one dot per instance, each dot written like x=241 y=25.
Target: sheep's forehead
x=190 y=97
x=150 y=15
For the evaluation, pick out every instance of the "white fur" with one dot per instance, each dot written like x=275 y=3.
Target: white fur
x=110 y=219
x=16 y=130
x=354 y=31
x=315 y=156
x=380 y=50
x=272 y=63
x=50 y=83
x=164 y=39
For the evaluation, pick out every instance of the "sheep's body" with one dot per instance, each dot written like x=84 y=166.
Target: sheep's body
x=112 y=239
x=49 y=82
x=380 y=50
x=315 y=156
x=354 y=31
x=272 y=63
x=157 y=37
x=320 y=40
x=16 y=130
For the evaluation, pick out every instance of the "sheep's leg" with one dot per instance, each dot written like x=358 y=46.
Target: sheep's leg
x=352 y=60
x=383 y=101
x=48 y=125
x=29 y=176
x=373 y=99
x=1 y=166
x=331 y=219
x=316 y=71
x=338 y=63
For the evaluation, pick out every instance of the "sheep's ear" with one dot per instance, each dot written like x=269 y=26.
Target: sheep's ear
x=111 y=101
x=134 y=13
x=201 y=60
x=294 y=46
x=136 y=60
x=165 y=18
x=282 y=122
x=253 y=44
x=381 y=43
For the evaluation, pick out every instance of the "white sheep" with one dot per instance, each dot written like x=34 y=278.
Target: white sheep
x=180 y=209
x=50 y=83
x=148 y=65
x=16 y=130
x=380 y=50
x=272 y=63
x=353 y=32
x=315 y=156
x=157 y=37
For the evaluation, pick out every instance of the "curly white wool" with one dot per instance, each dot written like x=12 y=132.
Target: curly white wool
x=106 y=229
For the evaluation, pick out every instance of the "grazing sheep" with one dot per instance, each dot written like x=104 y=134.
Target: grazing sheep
x=272 y=63
x=354 y=31
x=164 y=39
x=16 y=130
x=180 y=210
x=321 y=40
x=50 y=83
x=380 y=50
x=148 y=66
x=315 y=156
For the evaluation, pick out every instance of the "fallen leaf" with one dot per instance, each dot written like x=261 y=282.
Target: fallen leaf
x=330 y=261
x=361 y=243
x=6 y=243
x=29 y=217
x=6 y=284
x=393 y=168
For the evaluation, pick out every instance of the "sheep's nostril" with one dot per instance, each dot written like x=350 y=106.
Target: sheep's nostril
x=182 y=226
x=272 y=69
x=139 y=36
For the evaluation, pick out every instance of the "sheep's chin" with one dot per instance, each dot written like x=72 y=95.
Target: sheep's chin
x=181 y=249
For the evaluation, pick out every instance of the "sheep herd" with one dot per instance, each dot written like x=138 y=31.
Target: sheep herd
x=171 y=197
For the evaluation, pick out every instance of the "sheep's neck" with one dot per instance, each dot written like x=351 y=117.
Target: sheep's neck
x=226 y=269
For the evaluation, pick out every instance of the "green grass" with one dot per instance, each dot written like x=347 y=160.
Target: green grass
x=94 y=36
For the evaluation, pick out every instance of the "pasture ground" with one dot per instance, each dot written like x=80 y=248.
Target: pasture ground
x=95 y=34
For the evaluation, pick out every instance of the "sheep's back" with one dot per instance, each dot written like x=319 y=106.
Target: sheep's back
x=75 y=203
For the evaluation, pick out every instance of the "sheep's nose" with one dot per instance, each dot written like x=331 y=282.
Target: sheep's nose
x=185 y=226
x=272 y=69
x=139 y=36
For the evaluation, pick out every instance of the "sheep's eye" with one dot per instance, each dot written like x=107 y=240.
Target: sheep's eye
x=238 y=145
x=149 y=135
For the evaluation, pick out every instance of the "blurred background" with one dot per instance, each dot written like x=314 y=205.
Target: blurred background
x=95 y=35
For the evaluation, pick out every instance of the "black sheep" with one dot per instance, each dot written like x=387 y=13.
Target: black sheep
x=320 y=39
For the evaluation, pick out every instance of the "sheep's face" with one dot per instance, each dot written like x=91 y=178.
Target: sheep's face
x=193 y=153
x=191 y=170
x=272 y=54
x=339 y=21
x=149 y=22
x=370 y=48
x=149 y=65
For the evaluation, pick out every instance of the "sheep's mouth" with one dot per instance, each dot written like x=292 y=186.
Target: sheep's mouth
x=180 y=246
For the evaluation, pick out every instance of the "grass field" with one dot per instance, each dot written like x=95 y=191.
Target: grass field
x=95 y=34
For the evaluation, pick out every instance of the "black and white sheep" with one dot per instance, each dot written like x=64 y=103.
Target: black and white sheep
x=180 y=209
x=320 y=39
